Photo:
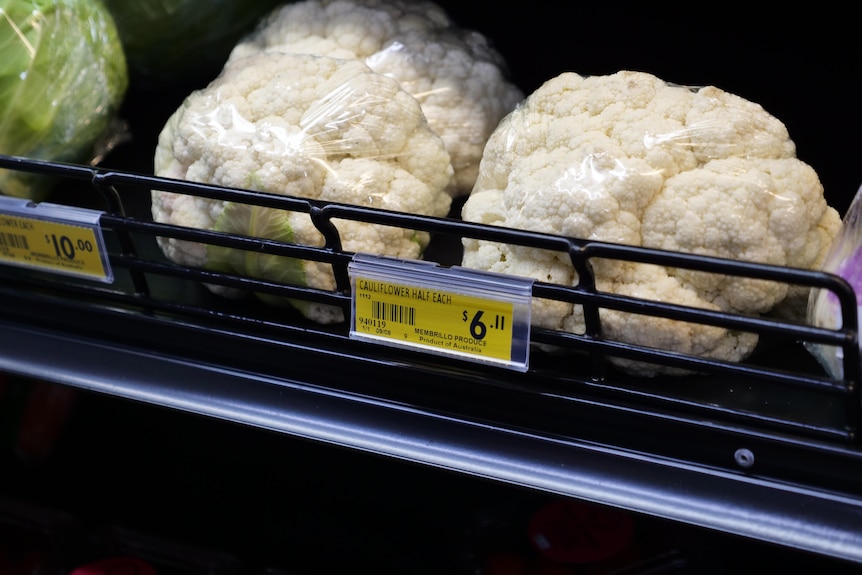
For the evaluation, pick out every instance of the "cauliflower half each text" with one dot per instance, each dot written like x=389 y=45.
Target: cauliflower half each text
x=459 y=79
x=305 y=126
x=632 y=159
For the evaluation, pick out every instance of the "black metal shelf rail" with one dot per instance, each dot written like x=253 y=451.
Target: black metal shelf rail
x=134 y=253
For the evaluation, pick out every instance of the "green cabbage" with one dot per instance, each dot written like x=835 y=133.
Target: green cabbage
x=187 y=41
x=63 y=76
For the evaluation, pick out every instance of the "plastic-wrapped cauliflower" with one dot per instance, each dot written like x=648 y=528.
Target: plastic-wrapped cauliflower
x=307 y=126
x=457 y=76
x=630 y=158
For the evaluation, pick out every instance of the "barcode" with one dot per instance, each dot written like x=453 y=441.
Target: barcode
x=393 y=312
x=14 y=241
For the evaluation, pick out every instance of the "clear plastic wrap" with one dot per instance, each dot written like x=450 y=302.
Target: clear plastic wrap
x=844 y=259
x=632 y=159
x=309 y=127
x=63 y=77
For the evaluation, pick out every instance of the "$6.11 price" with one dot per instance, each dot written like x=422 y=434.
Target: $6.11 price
x=479 y=328
x=65 y=247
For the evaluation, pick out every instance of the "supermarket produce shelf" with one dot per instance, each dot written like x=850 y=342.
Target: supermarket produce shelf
x=797 y=516
x=766 y=449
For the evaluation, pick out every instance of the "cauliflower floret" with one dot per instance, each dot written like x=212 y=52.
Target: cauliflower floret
x=355 y=27
x=723 y=125
x=754 y=209
x=456 y=75
x=655 y=283
x=631 y=159
x=306 y=126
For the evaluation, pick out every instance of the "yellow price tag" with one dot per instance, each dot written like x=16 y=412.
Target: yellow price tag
x=57 y=246
x=466 y=313
x=431 y=318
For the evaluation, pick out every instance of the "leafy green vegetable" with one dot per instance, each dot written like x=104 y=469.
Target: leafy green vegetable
x=63 y=76
x=183 y=40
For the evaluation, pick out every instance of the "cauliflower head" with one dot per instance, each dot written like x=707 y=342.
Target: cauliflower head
x=457 y=76
x=307 y=126
x=630 y=158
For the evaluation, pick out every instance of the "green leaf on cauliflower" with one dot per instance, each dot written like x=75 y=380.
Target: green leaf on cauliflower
x=264 y=223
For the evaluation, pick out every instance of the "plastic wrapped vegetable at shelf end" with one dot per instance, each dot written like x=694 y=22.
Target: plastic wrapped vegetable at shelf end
x=633 y=159
x=63 y=77
x=844 y=259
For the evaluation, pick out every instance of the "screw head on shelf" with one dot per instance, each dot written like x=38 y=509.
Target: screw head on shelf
x=744 y=458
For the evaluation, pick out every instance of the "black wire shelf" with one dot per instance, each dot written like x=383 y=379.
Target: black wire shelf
x=775 y=426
